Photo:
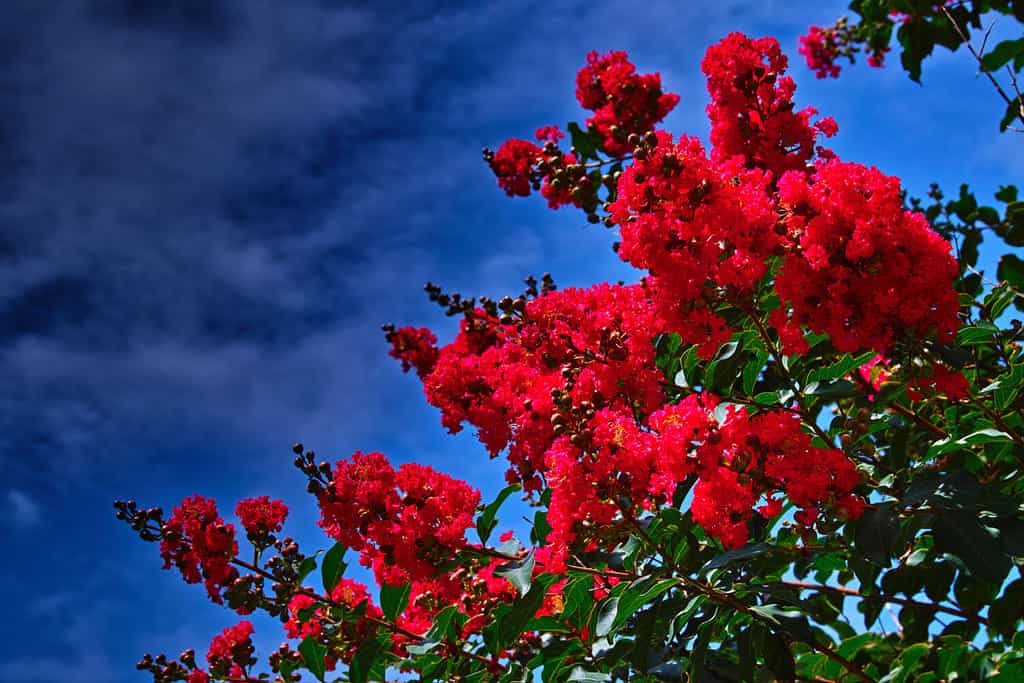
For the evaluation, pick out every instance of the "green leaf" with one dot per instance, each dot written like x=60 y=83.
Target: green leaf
x=333 y=566
x=518 y=572
x=911 y=657
x=365 y=660
x=1011 y=114
x=394 y=599
x=979 y=333
x=579 y=598
x=958 y=533
x=422 y=647
x=728 y=557
x=1006 y=612
x=877 y=534
x=1008 y=388
x=442 y=627
x=841 y=368
x=1007 y=194
x=307 y=566
x=1011 y=270
x=727 y=351
x=790 y=621
x=286 y=668
x=607 y=612
x=752 y=370
x=1001 y=54
x=778 y=657
x=917 y=41
x=583 y=142
x=840 y=388
x=1014 y=232
x=639 y=593
x=989 y=216
x=541 y=528
x=510 y=620
x=313 y=654
x=581 y=674
x=982 y=436
x=486 y=522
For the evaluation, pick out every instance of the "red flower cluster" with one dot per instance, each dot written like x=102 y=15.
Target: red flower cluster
x=404 y=522
x=515 y=165
x=414 y=347
x=867 y=271
x=623 y=101
x=625 y=467
x=820 y=47
x=475 y=593
x=823 y=45
x=306 y=615
x=593 y=344
x=198 y=542
x=741 y=459
x=696 y=225
x=231 y=651
x=939 y=380
x=598 y=481
x=751 y=111
x=261 y=516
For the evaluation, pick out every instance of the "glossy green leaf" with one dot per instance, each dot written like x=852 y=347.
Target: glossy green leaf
x=518 y=572
x=365 y=660
x=877 y=533
x=1002 y=53
x=607 y=613
x=313 y=654
x=487 y=520
x=394 y=599
x=333 y=567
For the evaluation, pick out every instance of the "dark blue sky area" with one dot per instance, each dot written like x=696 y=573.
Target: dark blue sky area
x=208 y=207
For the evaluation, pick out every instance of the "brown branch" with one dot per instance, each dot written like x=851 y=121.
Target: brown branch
x=850 y=592
x=981 y=67
x=727 y=600
x=327 y=600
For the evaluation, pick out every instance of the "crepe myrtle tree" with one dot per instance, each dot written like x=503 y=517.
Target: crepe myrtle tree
x=917 y=27
x=790 y=450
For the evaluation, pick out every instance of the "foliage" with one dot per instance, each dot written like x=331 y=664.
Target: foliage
x=791 y=451
x=919 y=26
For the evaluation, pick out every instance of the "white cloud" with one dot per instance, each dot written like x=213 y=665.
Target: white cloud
x=25 y=511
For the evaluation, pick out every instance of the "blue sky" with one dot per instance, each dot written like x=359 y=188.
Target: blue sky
x=208 y=207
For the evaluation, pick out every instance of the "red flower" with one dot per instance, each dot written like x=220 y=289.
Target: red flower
x=623 y=101
x=941 y=380
x=514 y=164
x=403 y=522
x=549 y=134
x=821 y=48
x=261 y=515
x=415 y=347
x=231 y=651
x=199 y=543
x=500 y=378
x=696 y=225
x=752 y=111
x=867 y=272
x=223 y=645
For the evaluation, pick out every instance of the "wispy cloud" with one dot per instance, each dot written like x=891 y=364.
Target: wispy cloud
x=23 y=510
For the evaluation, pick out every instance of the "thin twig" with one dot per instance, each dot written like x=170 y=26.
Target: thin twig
x=850 y=592
x=999 y=88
